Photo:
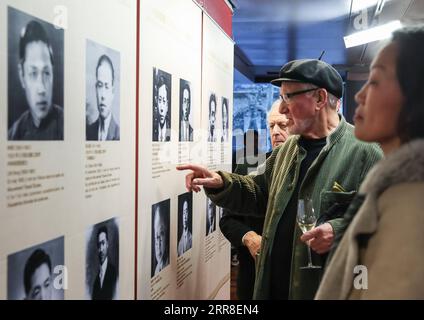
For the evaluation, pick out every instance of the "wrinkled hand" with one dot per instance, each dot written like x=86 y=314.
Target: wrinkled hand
x=201 y=176
x=253 y=242
x=320 y=238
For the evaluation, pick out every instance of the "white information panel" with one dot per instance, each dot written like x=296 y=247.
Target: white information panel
x=217 y=109
x=67 y=141
x=170 y=130
x=176 y=246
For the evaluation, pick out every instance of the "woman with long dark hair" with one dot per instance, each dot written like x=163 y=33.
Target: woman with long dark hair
x=380 y=255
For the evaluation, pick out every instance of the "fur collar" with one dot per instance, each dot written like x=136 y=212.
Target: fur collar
x=404 y=165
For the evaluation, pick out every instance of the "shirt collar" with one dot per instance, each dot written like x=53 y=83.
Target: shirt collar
x=104 y=266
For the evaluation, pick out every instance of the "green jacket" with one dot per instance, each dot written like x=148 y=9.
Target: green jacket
x=344 y=160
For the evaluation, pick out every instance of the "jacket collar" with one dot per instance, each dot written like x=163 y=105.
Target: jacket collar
x=339 y=132
x=406 y=164
x=336 y=135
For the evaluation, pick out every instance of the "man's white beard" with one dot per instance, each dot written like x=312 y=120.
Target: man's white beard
x=300 y=127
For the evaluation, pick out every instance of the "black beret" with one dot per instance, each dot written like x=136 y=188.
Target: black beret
x=312 y=71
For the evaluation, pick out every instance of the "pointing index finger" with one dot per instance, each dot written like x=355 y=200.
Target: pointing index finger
x=193 y=167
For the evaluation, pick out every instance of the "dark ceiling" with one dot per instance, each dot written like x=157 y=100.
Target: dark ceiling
x=268 y=33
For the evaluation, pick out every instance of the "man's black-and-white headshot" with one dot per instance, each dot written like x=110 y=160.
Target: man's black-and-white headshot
x=225 y=120
x=186 y=129
x=160 y=236
x=102 y=261
x=185 y=216
x=210 y=216
x=102 y=93
x=161 y=106
x=212 y=118
x=37 y=273
x=35 y=78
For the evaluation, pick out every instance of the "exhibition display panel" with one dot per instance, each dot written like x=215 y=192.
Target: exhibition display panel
x=101 y=100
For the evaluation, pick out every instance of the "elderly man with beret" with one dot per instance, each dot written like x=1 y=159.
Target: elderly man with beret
x=321 y=160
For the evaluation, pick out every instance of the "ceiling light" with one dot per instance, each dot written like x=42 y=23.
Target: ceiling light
x=373 y=34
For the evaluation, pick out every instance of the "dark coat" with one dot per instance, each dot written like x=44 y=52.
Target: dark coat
x=51 y=128
x=92 y=131
x=107 y=292
x=234 y=226
x=155 y=136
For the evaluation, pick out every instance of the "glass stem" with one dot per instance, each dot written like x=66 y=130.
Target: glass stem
x=309 y=255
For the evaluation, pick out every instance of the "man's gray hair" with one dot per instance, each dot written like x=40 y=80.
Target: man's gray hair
x=332 y=100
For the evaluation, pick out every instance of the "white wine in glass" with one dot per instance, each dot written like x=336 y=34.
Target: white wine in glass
x=306 y=219
x=305 y=227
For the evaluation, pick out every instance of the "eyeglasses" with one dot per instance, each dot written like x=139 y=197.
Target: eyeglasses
x=287 y=96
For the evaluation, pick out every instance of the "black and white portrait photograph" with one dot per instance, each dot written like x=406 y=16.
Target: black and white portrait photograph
x=185 y=216
x=160 y=236
x=102 y=93
x=102 y=261
x=210 y=217
x=161 y=106
x=212 y=118
x=35 y=78
x=186 y=128
x=224 y=137
x=38 y=272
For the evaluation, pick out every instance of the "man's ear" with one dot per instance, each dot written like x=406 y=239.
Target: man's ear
x=21 y=75
x=322 y=97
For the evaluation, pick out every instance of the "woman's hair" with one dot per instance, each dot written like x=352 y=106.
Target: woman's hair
x=410 y=74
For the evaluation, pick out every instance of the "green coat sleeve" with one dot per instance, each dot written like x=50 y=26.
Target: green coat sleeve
x=244 y=194
x=337 y=225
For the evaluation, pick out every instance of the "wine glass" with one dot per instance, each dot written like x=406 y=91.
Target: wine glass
x=306 y=219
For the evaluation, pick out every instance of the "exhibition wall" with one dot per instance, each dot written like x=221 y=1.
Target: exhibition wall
x=187 y=60
x=100 y=101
